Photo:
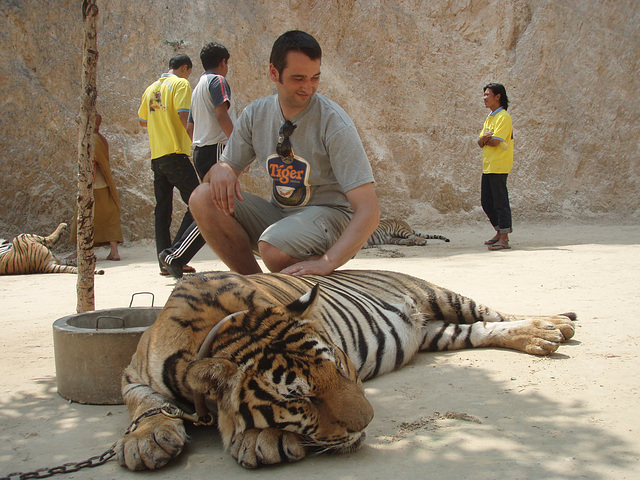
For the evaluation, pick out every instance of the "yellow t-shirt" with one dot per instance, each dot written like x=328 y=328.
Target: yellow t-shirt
x=498 y=159
x=161 y=103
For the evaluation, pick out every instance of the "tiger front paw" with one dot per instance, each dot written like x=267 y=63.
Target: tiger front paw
x=255 y=447
x=156 y=441
x=564 y=323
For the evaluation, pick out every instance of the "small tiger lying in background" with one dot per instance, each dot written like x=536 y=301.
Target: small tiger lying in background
x=398 y=232
x=280 y=359
x=29 y=253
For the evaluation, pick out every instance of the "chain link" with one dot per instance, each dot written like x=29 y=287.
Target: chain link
x=166 y=409
x=65 y=468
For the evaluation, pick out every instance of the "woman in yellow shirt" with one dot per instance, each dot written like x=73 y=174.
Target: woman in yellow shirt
x=496 y=142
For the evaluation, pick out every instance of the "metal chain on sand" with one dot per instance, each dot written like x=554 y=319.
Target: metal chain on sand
x=166 y=409
x=65 y=468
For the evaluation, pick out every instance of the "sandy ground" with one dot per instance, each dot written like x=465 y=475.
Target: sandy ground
x=480 y=414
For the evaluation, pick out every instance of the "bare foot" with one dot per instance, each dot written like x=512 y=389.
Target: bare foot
x=114 y=257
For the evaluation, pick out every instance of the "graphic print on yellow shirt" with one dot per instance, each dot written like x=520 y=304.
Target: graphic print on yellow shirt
x=155 y=101
x=290 y=180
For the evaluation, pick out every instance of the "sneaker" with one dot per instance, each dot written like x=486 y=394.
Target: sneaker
x=174 y=270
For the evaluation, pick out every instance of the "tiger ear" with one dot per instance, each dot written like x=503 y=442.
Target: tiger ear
x=210 y=375
x=303 y=306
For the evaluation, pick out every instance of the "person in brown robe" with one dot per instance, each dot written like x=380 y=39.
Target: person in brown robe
x=106 y=226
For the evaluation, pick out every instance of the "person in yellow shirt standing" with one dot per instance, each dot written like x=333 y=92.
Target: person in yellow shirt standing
x=496 y=142
x=164 y=110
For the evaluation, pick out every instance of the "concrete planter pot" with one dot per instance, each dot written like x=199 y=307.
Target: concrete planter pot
x=93 y=348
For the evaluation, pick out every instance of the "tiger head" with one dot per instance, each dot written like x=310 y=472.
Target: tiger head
x=275 y=366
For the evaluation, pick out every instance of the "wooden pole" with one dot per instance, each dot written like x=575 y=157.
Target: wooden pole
x=86 y=259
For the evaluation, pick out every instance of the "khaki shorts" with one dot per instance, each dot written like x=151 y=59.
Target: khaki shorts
x=300 y=232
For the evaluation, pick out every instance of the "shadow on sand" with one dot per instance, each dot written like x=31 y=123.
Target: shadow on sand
x=429 y=418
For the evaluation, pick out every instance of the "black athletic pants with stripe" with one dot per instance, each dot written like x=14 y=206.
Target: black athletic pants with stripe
x=185 y=247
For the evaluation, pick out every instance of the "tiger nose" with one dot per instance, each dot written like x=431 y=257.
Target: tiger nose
x=346 y=403
x=361 y=418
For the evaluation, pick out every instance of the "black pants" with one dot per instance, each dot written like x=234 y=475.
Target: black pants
x=169 y=172
x=495 y=201
x=185 y=247
x=206 y=157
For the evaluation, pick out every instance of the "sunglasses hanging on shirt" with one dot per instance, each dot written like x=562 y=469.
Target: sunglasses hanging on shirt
x=283 y=148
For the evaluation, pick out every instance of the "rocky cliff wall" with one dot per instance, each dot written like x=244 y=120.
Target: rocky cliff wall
x=410 y=73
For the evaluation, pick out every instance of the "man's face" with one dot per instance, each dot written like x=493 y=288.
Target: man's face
x=297 y=83
x=491 y=100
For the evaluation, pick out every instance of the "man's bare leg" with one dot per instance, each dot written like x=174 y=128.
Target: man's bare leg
x=223 y=233
x=274 y=258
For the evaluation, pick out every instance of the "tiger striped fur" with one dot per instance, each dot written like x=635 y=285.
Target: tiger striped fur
x=284 y=370
x=29 y=253
x=398 y=232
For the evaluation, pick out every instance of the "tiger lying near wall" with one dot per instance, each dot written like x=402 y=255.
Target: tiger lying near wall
x=284 y=369
x=398 y=232
x=29 y=253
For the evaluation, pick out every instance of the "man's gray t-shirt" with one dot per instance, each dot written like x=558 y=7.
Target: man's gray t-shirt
x=329 y=158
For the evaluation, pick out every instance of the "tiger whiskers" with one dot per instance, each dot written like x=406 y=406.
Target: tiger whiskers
x=334 y=447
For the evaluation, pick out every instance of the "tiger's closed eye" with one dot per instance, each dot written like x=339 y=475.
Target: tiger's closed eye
x=293 y=393
x=342 y=368
x=296 y=390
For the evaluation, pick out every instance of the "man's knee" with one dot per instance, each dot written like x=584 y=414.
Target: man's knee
x=200 y=200
x=274 y=258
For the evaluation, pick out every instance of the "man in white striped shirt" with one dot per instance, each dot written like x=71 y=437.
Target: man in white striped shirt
x=210 y=125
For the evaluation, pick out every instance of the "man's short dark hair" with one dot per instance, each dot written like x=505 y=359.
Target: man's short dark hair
x=212 y=54
x=293 y=40
x=180 y=60
x=498 y=88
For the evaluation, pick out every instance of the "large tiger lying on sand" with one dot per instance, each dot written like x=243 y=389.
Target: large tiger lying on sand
x=280 y=359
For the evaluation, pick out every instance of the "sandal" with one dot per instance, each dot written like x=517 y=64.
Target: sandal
x=490 y=242
x=499 y=246
x=186 y=269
